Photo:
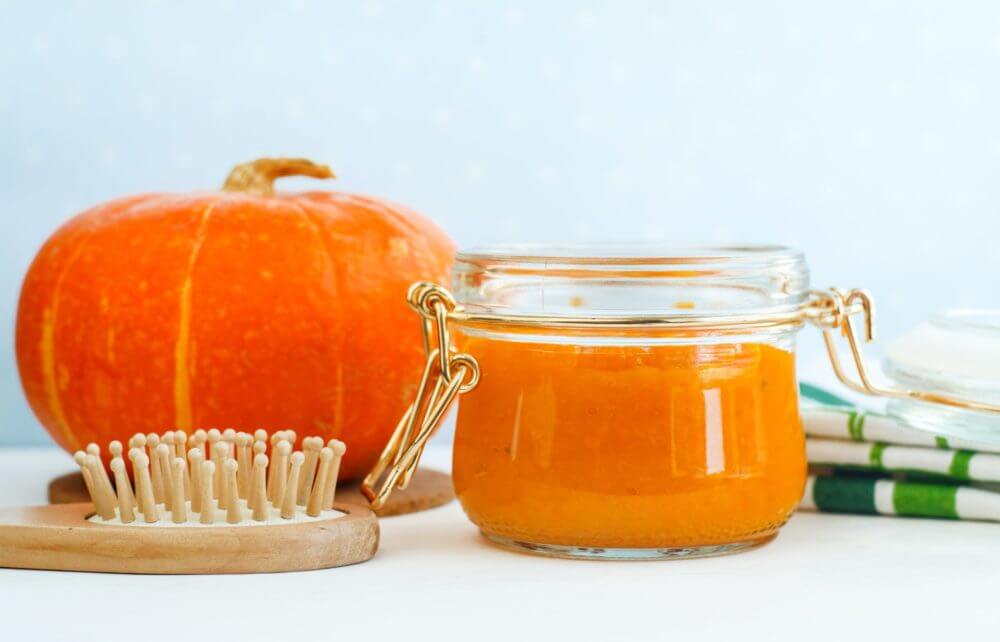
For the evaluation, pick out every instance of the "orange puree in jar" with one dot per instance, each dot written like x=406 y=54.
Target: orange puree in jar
x=630 y=446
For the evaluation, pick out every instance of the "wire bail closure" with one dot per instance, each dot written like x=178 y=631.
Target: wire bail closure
x=447 y=374
x=834 y=310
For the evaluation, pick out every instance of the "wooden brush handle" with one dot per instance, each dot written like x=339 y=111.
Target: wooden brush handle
x=60 y=538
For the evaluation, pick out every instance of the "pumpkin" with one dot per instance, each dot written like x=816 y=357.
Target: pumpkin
x=245 y=308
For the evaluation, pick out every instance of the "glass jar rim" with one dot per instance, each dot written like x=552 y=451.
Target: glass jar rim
x=670 y=284
x=636 y=254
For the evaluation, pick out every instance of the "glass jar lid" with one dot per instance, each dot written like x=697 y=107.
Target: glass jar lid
x=653 y=281
x=954 y=353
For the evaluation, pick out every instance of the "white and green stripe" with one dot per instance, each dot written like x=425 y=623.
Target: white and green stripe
x=837 y=494
x=961 y=465
x=836 y=422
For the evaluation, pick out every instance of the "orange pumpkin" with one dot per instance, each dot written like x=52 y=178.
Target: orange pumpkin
x=246 y=308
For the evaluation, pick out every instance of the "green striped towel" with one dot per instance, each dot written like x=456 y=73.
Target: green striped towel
x=877 y=496
x=870 y=463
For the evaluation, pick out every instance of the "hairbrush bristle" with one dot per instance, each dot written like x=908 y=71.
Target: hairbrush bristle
x=289 y=500
x=207 y=499
x=258 y=490
x=180 y=443
x=243 y=442
x=310 y=447
x=144 y=488
x=126 y=502
x=212 y=477
x=316 y=496
x=180 y=505
x=234 y=507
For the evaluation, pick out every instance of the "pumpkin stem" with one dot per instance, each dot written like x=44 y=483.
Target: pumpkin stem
x=257 y=177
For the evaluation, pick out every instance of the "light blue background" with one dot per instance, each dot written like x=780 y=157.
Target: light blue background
x=865 y=133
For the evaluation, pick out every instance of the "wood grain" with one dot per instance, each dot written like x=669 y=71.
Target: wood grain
x=60 y=538
x=428 y=489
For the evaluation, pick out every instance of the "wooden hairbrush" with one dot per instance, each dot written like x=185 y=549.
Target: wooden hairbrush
x=221 y=502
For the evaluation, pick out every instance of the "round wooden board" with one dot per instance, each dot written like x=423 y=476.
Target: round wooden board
x=428 y=489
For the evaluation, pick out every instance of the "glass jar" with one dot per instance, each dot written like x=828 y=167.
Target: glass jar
x=629 y=440
x=627 y=402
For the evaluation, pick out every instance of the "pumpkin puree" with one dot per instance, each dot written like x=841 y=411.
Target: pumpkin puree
x=629 y=446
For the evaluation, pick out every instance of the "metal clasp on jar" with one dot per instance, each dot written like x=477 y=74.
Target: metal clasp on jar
x=447 y=374
x=835 y=310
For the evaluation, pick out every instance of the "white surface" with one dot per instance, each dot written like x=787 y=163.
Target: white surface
x=826 y=577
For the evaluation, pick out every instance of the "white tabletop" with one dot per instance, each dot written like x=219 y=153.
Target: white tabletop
x=826 y=577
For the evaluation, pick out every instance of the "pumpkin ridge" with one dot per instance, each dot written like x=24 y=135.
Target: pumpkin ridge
x=182 y=369
x=47 y=345
x=311 y=216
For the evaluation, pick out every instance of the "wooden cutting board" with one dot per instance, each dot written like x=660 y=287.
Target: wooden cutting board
x=428 y=489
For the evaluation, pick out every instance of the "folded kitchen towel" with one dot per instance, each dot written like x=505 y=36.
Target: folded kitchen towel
x=876 y=496
x=870 y=463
